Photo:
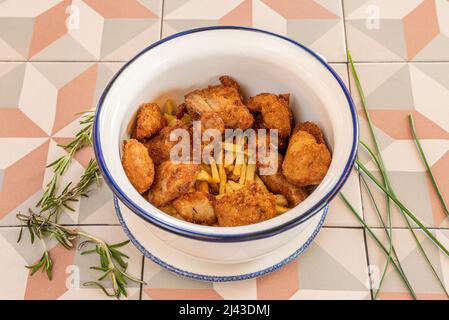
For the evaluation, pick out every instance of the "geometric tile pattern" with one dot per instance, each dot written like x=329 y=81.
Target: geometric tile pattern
x=394 y=91
x=316 y=23
x=400 y=30
x=77 y=30
x=56 y=57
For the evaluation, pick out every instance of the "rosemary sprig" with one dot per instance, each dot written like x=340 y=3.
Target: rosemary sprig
x=112 y=260
x=54 y=204
x=82 y=139
x=426 y=163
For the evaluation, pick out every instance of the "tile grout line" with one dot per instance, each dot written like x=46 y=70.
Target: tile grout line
x=126 y=60
x=365 y=242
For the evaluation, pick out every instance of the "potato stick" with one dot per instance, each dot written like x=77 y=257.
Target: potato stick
x=250 y=172
x=206 y=168
x=243 y=174
x=229 y=168
x=186 y=119
x=170 y=106
x=281 y=200
x=280 y=209
x=219 y=196
x=203 y=186
x=214 y=170
x=229 y=187
x=223 y=178
x=260 y=183
x=204 y=176
x=237 y=169
x=235 y=185
x=232 y=186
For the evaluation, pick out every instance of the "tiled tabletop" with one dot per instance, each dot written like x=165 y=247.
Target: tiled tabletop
x=56 y=56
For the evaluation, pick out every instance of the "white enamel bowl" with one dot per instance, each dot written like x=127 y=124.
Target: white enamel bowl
x=261 y=62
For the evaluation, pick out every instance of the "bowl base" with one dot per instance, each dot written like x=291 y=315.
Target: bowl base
x=186 y=265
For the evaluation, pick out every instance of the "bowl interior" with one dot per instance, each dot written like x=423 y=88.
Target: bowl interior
x=260 y=62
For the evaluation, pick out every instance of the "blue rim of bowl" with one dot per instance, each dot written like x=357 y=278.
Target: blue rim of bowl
x=202 y=277
x=215 y=237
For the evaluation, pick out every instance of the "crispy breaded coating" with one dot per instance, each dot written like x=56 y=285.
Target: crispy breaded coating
x=229 y=82
x=223 y=99
x=306 y=161
x=149 y=120
x=138 y=166
x=251 y=204
x=274 y=112
x=196 y=207
x=159 y=146
x=278 y=184
x=171 y=181
x=211 y=120
x=311 y=128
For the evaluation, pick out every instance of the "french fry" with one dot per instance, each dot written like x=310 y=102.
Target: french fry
x=260 y=183
x=206 y=168
x=223 y=178
x=171 y=120
x=204 y=176
x=170 y=107
x=243 y=174
x=237 y=169
x=281 y=200
x=219 y=196
x=232 y=186
x=280 y=209
x=214 y=170
x=203 y=186
x=250 y=172
x=186 y=119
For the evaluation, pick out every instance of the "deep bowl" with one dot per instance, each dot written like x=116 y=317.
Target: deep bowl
x=261 y=62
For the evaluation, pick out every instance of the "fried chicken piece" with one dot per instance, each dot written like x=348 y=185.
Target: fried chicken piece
x=311 y=128
x=306 y=161
x=149 y=120
x=223 y=99
x=159 y=146
x=278 y=184
x=181 y=110
x=211 y=120
x=274 y=112
x=171 y=181
x=251 y=204
x=196 y=207
x=138 y=165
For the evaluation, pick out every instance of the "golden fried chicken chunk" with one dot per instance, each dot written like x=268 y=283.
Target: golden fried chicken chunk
x=311 y=128
x=278 y=184
x=251 y=204
x=138 y=166
x=159 y=146
x=224 y=100
x=306 y=161
x=196 y=207
x=211 y=120
x=149 y=120
x=274 y=112
x=171 y=181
